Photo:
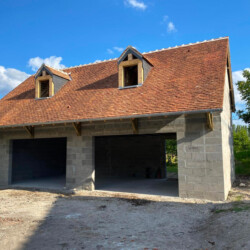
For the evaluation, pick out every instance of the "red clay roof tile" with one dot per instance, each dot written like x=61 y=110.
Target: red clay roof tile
x=187 y=78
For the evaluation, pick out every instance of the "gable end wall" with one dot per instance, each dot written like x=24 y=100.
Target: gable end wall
x=227 y=138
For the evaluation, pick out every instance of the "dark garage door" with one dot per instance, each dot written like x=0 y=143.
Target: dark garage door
x=130 y=156
x=38 y=158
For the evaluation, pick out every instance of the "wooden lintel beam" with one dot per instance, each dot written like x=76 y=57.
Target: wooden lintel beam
x=134 y=122
x=30 y=130
x=78 y=128
x=210 y=122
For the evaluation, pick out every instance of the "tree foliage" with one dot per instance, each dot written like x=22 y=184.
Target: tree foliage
x=171 y=151
x=244 y=89
x=241 y=138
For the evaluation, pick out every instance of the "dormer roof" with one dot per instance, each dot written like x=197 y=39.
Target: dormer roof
x=130 y=50
x=52 y=71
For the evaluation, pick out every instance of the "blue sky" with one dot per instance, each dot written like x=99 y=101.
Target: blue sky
x=67 y=33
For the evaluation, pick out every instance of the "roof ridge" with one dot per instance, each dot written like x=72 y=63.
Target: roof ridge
x=149 y=52
x=96 y=62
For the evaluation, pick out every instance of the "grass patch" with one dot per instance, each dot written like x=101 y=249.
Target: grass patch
x=236 y=209
x=173 y=168
x=238 y=198
x=242 y=163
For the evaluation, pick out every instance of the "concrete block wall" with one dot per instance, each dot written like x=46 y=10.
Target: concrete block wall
x=200 y=154
x=5 y=161
x=200 y=162
x=80 y=161
x=227 y=138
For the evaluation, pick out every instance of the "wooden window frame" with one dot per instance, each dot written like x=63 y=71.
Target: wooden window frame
x=129 y=63
x=38 y=86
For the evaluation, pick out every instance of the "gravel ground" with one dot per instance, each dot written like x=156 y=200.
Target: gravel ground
x=106 y=220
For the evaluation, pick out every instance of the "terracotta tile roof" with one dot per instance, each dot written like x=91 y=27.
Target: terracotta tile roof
x=59 y=72
x=187 y=78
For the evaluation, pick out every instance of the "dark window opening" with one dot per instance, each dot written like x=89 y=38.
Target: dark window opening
x=44 y=85
x=131 y=75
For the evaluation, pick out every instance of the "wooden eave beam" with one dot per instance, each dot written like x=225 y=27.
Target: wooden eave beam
x=78 y=128
x=30 y=130
x=210 y=123
x=134 y=122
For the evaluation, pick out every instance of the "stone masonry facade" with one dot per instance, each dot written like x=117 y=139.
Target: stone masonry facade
x=202 y=167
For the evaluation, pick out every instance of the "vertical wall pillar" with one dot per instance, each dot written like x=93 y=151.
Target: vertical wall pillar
x=80 y=173
x=163 y=157
x=5 y=162
x=200 y=165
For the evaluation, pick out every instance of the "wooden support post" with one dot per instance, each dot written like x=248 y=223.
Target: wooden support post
x=130 y=57
x=210 y=122
x=30 y=130
x=78 y=128
x=134 y=122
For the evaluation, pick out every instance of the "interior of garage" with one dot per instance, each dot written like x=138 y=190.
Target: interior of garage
x=39 y=163
x=134 y=164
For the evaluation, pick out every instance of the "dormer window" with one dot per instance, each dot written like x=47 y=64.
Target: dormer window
x=130 y=75
x=44 y=85
x=131 y=65
x=44 y=89
x=49 y=81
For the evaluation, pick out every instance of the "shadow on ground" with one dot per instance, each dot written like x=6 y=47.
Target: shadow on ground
x=40 y=220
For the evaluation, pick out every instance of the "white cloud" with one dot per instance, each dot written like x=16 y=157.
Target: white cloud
x=136 y=4
x=10 y=78
x=110 y=51
x=239 y=103
x=237 y=76
x=52 y=61
x=119 y=49
x=239 y=122
x=171 y=27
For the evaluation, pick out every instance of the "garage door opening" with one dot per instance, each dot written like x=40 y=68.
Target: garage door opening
x=134 y=164
x=39 y=163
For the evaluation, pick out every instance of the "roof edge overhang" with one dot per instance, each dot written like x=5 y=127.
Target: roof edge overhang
x=114 y=118
x=56 y=72
x=229 y=71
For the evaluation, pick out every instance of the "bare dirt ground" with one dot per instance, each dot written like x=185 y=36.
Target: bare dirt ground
x=105 y=220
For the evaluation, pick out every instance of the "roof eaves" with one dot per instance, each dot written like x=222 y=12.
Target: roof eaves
x=116 y=118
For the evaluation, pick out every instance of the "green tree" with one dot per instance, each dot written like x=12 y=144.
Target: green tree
x=244 y=89
x=241 y=139
x=171 y=150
